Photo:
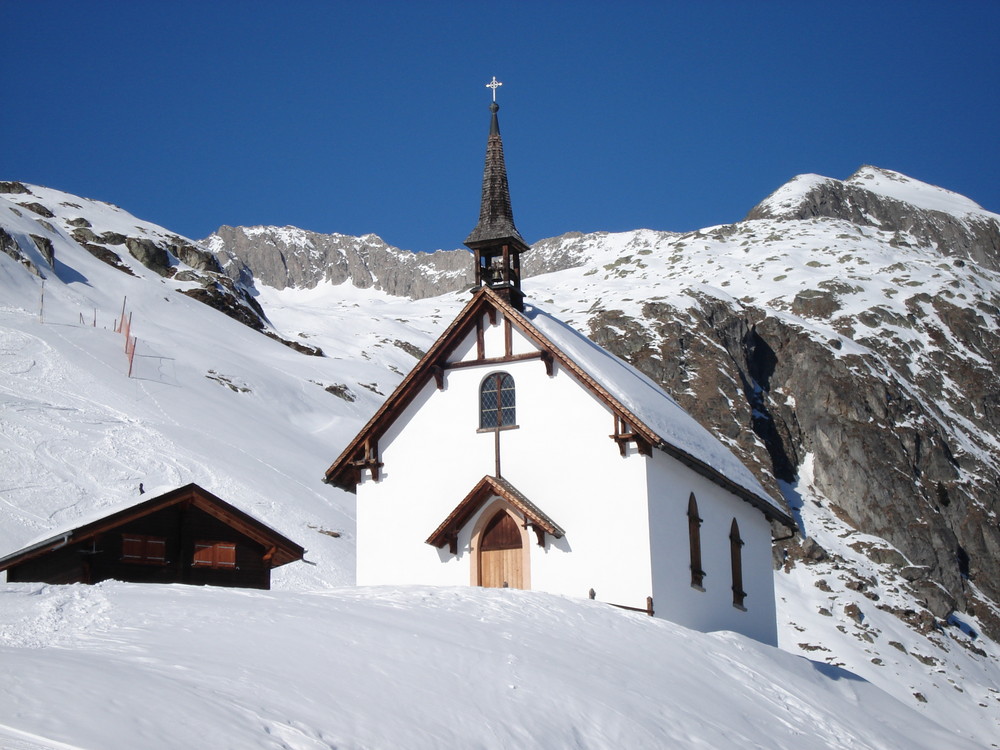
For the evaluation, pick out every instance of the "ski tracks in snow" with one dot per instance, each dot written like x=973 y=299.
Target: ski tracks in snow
x=17 y=739
x=63 y=441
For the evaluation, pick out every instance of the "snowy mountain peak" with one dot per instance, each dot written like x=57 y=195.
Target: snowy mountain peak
x=796 y=195
x=875 y=197
x=900 y=187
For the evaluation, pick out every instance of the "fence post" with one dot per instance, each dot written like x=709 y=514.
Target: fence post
x=121 y=319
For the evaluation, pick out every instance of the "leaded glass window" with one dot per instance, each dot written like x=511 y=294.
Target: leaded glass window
x=496 y=401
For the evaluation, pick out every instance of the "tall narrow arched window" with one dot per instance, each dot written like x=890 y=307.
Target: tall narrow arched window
x=694 y=541
x=736 y=555
x=496 y=401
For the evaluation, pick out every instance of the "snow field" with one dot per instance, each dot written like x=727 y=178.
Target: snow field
x=124 y=666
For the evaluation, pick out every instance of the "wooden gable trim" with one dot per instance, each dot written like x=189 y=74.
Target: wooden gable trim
x=190 y=494
x=284 y=549
x=480 y=338
x=493 y=360
x=345 y=475
x=624 y=434
x=447 y=532
x=644 y=436
x=368 y=459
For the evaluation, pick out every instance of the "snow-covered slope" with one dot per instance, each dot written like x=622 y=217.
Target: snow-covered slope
x=121 y=666
x=316 y=663
x=209 y=401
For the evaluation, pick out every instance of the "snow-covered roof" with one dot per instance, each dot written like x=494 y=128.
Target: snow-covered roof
x=99 y=520
x=648 y=402
x=644 y=405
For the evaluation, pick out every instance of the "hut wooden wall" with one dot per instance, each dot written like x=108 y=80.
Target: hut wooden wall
x=100 y=558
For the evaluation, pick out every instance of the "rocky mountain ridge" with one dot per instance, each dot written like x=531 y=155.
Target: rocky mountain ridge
x=288 y=257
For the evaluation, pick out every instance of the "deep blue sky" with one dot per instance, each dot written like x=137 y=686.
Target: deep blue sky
x=372 y=117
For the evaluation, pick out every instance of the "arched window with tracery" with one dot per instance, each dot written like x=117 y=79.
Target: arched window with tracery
x=694 y=542
x=736 y=555
x=496 y=401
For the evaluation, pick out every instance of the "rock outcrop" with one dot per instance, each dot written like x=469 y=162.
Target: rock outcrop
x=283 y=257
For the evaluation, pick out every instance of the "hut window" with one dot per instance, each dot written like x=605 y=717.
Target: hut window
x=143 y=549
x=496 y=401
x=736 y=555
x=694 y=542
x=214 y=555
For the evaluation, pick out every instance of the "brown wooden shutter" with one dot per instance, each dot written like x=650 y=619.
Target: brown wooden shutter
x=694 y=542
x=225 y=555
x=736 y=556
x=203 y=554
x=148 y=550
x=156 y=550
x=214 y=555
x=132 y=547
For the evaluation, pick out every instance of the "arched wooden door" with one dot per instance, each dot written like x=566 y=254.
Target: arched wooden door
x=500 y=553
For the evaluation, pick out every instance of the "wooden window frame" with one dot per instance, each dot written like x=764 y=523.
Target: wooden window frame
x=146 y=555
x=214 y=560
x=497 y=380
x=736 y=557
x=694 y=543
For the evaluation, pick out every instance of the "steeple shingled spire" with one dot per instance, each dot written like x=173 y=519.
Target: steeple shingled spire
x=495 y=240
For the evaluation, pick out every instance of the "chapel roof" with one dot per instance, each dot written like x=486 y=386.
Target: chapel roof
x=653 y=414
x=679 y=434
x=486 y=488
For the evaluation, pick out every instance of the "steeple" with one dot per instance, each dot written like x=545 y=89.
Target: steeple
x=495 y=241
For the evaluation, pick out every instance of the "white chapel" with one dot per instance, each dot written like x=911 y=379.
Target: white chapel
x=518 y=453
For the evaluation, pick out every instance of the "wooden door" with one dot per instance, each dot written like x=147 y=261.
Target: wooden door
x=501 y=553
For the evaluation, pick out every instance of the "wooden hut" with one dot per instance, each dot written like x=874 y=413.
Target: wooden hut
x=187 y=535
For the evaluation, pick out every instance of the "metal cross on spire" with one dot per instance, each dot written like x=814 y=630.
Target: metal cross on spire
x=494 y=84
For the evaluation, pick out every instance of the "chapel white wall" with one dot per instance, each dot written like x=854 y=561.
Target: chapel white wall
x=671 y=484
x=560 y=456
x=563 y=460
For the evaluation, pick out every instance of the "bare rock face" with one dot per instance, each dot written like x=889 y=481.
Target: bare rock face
x=9 y=246
x=151 y=255
x=283 y=257
x=46 y=248
x=198 y=259
x=8 y=187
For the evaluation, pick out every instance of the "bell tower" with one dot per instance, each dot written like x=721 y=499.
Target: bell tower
x=495 y=242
